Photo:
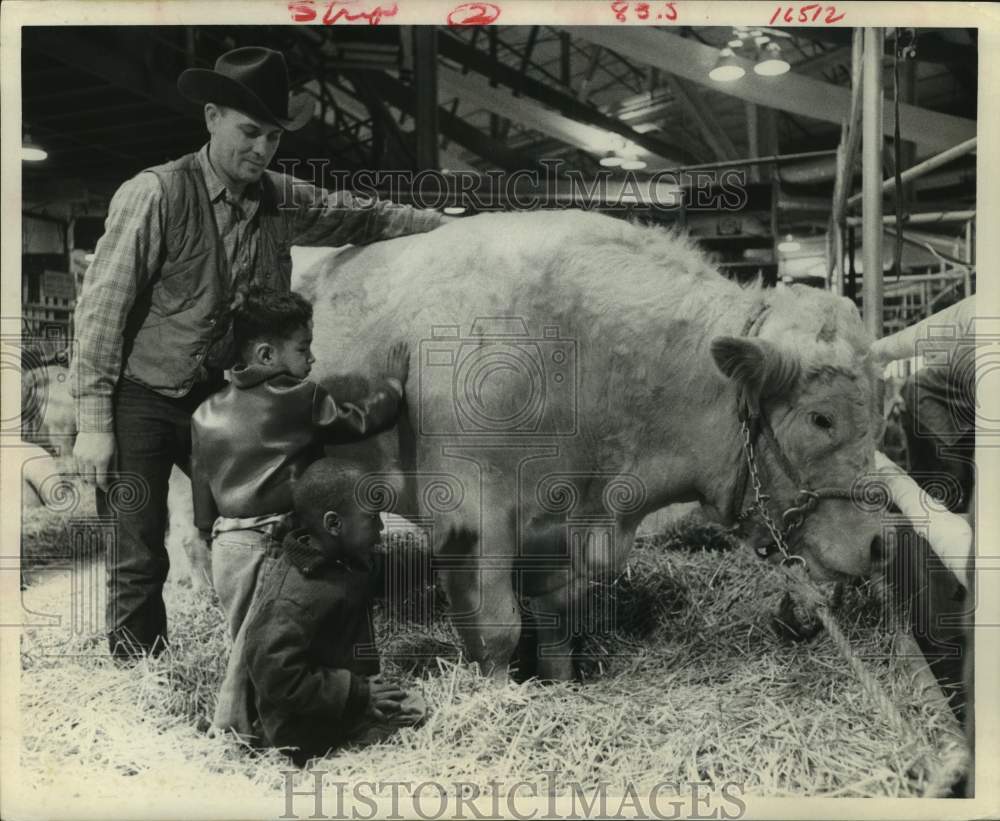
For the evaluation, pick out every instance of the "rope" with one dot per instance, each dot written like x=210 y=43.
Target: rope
x=945 y=769
x=813 y=596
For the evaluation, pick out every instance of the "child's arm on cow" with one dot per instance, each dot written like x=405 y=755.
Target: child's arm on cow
x=205 y=509
x=340 y=422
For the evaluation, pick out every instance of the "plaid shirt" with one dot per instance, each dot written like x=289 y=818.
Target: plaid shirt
x=128 y=258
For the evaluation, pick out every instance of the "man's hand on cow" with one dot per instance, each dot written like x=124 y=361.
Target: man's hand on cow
x=94 y=454
x=384 y=699
x=397 y=363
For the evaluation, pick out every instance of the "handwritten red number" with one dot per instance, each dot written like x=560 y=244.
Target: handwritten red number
x=807 y=13
x=302 y=11
x=473 y=14
x=643 y=11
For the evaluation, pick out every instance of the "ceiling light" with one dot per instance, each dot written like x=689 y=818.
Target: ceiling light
x=727 y=68
x=771 y=63
x=611 y=161
x=737 y=43
x=789 y=245
x=633 y=165
x=30 y=152
x=454 y=210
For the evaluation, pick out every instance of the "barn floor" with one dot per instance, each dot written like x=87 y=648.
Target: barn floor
x=692 y=684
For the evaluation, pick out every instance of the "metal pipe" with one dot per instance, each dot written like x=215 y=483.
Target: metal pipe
x=922 y=219
x=924 y=167
x=847 y=151
x=919 y=244
x=753 y=141
x=852 y=133
x=425 y=86
x=834 y=231
x=872 y=181
x=852 y=277
x=773 y=158
x=915 y=279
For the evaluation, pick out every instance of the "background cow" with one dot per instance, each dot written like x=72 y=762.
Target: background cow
x=49 y=423
x=572 y=373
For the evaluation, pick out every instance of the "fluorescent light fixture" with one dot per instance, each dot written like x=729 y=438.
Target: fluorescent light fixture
x=611 y=161
x=30 y=152
x=633 y=165
x=771 y=63
x=727 y=68
x=454 y=210
x=789 y=245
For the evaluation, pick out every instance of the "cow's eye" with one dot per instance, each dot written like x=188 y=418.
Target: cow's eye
x=821 y=421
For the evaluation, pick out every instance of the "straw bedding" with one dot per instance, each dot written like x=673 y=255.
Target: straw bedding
x=689 y=681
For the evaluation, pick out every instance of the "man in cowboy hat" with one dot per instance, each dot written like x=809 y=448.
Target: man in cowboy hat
x=183 y=241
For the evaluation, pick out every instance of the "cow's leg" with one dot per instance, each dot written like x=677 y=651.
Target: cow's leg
x=183 y=540
x=481 y=593
x=563 y=609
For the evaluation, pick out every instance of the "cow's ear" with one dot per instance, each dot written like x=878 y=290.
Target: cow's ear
x=756 y=364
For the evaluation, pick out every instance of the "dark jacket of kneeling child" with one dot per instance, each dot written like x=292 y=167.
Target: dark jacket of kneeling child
x=310 y=648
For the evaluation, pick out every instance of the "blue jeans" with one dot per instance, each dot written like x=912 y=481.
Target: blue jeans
x=152 y=434
x=240 y=560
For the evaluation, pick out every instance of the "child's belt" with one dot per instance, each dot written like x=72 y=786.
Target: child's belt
x=275 y=525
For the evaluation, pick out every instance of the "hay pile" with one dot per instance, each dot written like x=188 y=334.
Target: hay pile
x=689 y=683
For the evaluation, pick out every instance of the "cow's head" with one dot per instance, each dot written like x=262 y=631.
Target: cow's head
x=821 y=395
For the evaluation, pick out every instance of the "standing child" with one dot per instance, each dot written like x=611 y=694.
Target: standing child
x=309 y=649
x=252 y=439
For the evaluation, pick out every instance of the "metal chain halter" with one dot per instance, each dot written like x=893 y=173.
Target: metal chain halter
x=753 y=424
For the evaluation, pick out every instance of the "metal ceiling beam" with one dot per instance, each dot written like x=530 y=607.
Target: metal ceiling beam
x=78 y=51
x=534 y=116
x=454 y=49
x=930 y=47
x=716 y=137
x=102 y=111
x=382 y=113
x=125 y=72
x=457 y=130
x=836 y=56
x=790 y=92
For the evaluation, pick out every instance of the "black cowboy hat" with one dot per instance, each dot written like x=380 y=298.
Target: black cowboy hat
x=253 y=80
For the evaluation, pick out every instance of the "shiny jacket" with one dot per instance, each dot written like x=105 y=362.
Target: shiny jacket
x=252 y=438
x=310 y=647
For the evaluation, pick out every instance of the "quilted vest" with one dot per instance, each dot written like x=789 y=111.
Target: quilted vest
x=181 y=324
